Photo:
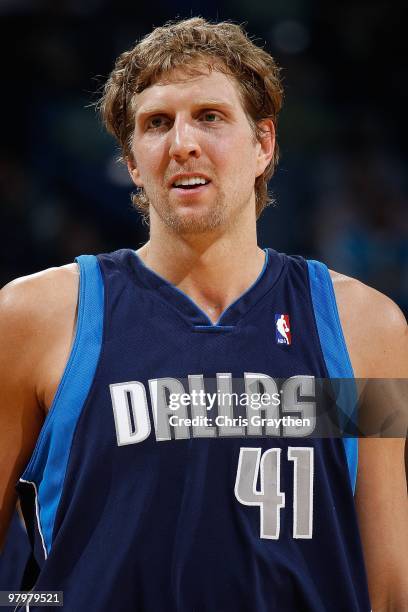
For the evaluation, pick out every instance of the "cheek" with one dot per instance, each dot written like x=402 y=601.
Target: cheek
x=236 y=152
x=149 y=158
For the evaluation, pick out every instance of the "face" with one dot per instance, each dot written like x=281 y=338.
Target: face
x=194 y=152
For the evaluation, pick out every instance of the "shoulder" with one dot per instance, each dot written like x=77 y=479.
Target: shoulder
x=37 y=315
x=28 y=301
x=374 y=327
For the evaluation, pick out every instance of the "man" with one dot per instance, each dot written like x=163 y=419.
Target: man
x=207 y=511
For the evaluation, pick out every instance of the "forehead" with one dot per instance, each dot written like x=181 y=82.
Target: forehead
x=191 y=84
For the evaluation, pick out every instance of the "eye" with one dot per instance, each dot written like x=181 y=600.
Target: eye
x=210 y=116
x=156 y=122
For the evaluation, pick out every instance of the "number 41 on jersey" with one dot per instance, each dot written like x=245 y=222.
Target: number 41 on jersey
x=270 y=498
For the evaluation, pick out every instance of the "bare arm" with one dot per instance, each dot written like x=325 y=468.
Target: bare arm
x=377 y=337
x=37 y=316
x=383 y=517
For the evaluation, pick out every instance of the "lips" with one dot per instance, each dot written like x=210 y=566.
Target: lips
x=187 y=193
x=189 y=181
x=190 y=187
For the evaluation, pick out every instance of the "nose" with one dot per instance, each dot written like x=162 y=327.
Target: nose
x=184 y=144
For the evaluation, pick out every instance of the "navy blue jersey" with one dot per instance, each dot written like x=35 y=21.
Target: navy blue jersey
x=14 y=557
x=156 y=489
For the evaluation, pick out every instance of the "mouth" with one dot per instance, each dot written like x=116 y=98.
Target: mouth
x=191 y=183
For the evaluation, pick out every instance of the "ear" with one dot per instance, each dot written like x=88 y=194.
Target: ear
x=266 y=145
x=134 y=171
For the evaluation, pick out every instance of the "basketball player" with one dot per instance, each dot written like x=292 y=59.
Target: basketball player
x=134 y=505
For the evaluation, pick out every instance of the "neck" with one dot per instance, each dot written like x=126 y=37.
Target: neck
x=213 y=270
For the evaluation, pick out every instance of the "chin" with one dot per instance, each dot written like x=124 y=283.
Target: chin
x=193 y=224
x=189 y=220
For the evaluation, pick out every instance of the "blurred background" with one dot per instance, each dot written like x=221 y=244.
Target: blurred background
x=341 y=186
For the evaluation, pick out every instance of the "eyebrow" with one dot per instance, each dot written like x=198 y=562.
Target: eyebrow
x=205 y=103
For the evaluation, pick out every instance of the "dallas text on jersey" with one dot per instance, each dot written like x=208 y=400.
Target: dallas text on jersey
x=296 y=396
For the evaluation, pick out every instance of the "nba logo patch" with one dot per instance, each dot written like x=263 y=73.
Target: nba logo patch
x=282 y=325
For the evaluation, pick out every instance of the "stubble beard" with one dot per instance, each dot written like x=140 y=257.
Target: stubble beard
x=211 y=219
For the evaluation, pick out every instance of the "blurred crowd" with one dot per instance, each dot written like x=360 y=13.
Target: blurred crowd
x=341 y=186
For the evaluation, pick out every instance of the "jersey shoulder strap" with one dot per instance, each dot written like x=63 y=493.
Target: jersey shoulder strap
x=45 y=472
x=335 y=352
